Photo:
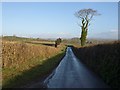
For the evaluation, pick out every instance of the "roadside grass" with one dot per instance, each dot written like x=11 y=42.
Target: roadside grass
x=23 y=62
x=38 y=71
x=16 y=53
x=103 y=59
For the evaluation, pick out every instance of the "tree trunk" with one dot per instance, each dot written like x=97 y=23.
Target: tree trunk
x=83 y=37
x=84 y=32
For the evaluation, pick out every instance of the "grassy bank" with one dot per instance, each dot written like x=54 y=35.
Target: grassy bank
x=24 y=62
x=104 y=60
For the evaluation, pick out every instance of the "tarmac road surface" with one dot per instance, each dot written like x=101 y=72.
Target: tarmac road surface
x=71 y=73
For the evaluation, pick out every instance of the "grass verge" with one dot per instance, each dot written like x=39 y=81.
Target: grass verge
x=24 y=62
x=35 y=72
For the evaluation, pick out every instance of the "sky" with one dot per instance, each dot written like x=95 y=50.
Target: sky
x=59 y=0
x=57 y=19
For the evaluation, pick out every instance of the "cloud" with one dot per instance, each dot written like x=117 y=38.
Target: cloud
x=49 y=35
x=57 y=35
x=112 y=34
x=114 y=31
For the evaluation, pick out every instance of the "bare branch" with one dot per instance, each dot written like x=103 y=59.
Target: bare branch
x=78 y=16
x=86 y=12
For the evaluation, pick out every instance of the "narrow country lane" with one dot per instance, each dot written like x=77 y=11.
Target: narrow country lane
x=71 y=73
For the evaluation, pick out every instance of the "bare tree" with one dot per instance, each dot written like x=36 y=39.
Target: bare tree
x=85 y=15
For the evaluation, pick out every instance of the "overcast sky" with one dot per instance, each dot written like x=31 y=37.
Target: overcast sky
x=56 y=19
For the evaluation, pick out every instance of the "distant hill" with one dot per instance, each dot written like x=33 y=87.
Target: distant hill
x=74 y=40
x=89 y=40
x=16 y=38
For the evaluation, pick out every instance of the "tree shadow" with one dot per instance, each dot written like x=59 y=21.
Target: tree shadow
x=47 y=44
x=35 y=75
